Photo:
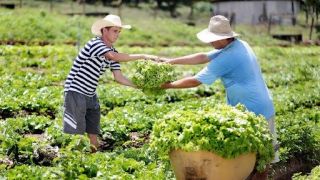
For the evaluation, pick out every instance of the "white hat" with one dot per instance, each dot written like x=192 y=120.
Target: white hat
x=218 y=29
x=108 y=21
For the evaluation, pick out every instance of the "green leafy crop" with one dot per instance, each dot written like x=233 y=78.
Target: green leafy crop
x=314 y=175
x=149 y=76
x=224 y=130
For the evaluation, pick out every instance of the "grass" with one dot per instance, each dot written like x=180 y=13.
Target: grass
x=37 y=22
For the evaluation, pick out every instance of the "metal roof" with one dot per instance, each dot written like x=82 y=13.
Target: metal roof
x=249 y=0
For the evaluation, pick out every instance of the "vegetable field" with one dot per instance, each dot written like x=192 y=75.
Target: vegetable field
x=33 y=146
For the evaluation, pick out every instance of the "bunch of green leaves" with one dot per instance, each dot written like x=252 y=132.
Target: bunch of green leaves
x=224 y=130
x=314 y=175
x=27 y=149
x=299 y=135
x=13 y=143
x=34 y=172
x=9 y=137
x=286 y=99
x=149 y=76
x=56 y=136
x=77 y=165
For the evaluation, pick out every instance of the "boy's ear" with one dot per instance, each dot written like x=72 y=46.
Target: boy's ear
x=104 y=29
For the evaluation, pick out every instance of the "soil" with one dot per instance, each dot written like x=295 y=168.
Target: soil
x=287 y=170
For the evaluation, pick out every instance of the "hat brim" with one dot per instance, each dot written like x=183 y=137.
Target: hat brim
x=98 y=25
x=208 y=37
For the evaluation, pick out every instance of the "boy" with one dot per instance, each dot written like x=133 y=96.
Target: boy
x=82 y=109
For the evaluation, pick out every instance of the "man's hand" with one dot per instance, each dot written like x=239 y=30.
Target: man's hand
x=187 y=82
x=166 y=85
x=163 y=59
x=156 y=58
x=150 y=57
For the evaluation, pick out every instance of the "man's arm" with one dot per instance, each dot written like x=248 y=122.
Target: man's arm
x=199 y=58
x=122 y=57
x=119 y=78
x=187 y=82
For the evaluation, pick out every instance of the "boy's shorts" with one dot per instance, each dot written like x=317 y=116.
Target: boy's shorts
x=81 y=114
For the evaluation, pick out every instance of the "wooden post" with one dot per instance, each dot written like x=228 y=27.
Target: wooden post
x=307 y=14
x=155 y=10
x=119 y=7
x=311 y=27
x=96 y=6
x=51 y=5
x=79 y=37
x=84 y=7
x=293 y=13
x=269 y=23
x=119 y=11
x=71 y=7
x=190 y=16
x=20 y=4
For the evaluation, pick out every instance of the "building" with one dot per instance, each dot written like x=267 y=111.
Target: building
x=258 y=11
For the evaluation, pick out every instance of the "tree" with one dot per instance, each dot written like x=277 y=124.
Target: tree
x=169 y=5
x=312 y=9
x=172 y=5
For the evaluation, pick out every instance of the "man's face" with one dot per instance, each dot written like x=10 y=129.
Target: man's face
x=112 y=33
x=219 y=44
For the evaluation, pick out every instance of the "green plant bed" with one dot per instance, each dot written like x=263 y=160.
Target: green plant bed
x=314 y=175
x=224 y=130
x=289 y=169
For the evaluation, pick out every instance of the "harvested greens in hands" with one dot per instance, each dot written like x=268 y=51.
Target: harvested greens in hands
x=149 y=76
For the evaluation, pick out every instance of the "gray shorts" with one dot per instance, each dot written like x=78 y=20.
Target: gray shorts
x=81 y=114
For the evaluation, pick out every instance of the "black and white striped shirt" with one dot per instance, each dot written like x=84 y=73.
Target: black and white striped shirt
x=89 y=65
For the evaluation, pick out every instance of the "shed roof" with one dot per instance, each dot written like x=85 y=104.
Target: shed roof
x=250 y=0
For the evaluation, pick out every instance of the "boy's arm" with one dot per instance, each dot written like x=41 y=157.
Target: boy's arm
x=198 y=58
x=122 y=57
x=119 y=78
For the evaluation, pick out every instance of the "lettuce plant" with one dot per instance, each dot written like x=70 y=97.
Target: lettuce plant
x=149 y=76
x=224 y=130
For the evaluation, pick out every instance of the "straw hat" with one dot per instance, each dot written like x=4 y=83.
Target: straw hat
x=218 y=29
x=108 y=21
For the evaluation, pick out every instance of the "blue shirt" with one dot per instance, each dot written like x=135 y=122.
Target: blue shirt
x=236 y=65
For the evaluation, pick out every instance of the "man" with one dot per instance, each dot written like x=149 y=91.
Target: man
x=235 y=63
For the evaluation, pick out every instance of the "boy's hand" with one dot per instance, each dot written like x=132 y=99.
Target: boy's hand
x=156 y=58
x=163 y=59
x=151 y=57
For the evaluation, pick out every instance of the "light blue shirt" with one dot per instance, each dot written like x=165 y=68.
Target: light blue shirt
x=236 y=65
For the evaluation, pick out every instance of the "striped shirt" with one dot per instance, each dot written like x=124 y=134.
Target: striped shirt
x=89 y=65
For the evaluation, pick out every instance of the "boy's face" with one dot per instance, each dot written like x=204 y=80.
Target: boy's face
x=111 y=33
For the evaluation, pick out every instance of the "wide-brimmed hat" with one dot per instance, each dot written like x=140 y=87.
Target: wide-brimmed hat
x=219 y=28
x=108 y=21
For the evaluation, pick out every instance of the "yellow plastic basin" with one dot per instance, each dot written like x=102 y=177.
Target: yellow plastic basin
x=204 y=165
